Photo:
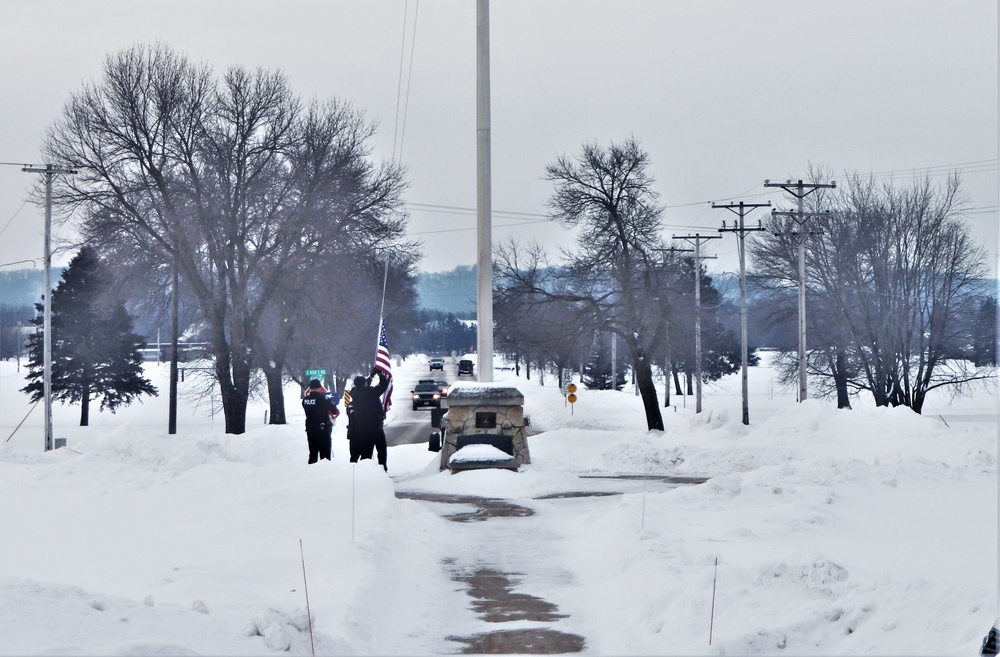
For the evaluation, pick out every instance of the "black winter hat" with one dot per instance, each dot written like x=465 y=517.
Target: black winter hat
x=315 y=383
x=359 y=381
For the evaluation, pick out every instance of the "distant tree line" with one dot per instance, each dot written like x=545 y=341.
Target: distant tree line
x=14 y=323
x=22 y=287
x=19 y=291
x=437 y=333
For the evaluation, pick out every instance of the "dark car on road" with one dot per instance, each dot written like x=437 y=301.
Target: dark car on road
x=442 y=385
x=426 y=394
x=465 y=367
x=437 y=364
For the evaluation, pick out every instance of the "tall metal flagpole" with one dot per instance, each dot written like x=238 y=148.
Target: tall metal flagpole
x=484 y=260
x=378 y=339
x=381 y=310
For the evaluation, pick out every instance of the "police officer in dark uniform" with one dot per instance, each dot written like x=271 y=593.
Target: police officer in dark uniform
x=321 y=411
x=365 y=416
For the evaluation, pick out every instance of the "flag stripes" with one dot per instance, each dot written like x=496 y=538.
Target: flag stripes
x=384 y=365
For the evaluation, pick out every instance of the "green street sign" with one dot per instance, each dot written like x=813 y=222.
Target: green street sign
x=315 y=374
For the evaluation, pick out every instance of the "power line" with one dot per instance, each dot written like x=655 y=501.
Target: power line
x=18 y=262
x=456 y=230
x=12 y=218
x=399 y=83
x=457 y=209
x=972 y=166
x=984 y=165
x=409 y=78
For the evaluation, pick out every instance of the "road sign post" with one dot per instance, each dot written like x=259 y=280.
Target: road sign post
x=566 y=378
x=571 y=396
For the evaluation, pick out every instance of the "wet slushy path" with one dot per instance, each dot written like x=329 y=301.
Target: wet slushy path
x=513 y=559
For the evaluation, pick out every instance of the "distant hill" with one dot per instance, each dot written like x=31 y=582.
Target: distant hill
x=24 y=287
x=451 y=291
x=728 y=284
x=448 y=291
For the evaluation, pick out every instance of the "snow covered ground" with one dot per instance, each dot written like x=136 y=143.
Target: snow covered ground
x=820 y=532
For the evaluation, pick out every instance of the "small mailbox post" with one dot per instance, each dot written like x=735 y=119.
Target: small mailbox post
x=485 y=415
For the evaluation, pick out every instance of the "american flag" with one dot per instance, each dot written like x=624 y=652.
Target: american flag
x=384 y=365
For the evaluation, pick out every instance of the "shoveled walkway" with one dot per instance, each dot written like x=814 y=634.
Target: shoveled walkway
x=492 y=575
x=514 y=556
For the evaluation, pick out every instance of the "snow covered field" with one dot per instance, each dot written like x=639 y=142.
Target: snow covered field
x=871 y=531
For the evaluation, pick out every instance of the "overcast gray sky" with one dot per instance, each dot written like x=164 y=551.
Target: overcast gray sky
x=721 y=94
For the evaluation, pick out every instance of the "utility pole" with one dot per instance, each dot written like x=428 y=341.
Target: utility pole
x=614 y=361
x=696 y=240
x=741 y=209
x=667 y=366
x=800 y=190
x=484 y=209
x=174 y=338
x=49 y=170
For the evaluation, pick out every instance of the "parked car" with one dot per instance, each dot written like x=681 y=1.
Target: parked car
x=437 y=364
x=465 y=367
x=426 y=394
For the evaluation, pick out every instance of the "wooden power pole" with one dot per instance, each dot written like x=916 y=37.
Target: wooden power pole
x=741 y=230
x=48 y=170
x=800 y=190
x=696 y=240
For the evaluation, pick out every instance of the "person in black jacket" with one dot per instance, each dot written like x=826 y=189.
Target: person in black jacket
x=365 y=416
x=321 y=412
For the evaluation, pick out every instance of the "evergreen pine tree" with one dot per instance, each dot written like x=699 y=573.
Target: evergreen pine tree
x=984 y=334
x=596 y=373
x=95 y=351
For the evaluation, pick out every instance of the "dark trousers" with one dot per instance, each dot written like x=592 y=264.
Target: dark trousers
x=320 y=442
x=381 y=449
x=366 y=441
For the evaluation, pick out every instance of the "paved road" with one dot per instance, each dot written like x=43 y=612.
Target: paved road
x=406 y=426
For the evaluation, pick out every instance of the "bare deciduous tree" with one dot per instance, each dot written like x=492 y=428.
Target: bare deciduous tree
x=611 y=276
x=233 y=181
x=890 y=278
